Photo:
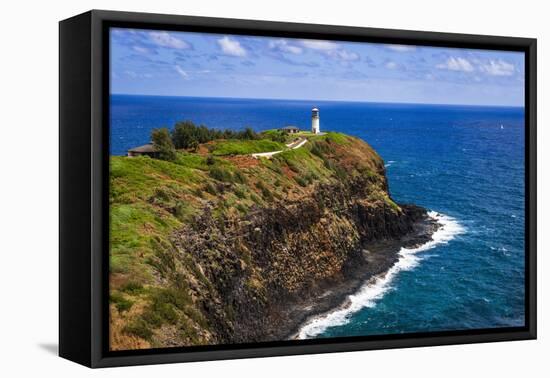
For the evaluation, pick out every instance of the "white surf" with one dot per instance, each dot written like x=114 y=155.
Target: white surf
x=377 y=286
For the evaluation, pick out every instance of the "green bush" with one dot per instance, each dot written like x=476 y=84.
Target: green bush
x=132 y=287
x=321 y=148
x=266 y=193
x=139 y=328
x=240 y=193
x=209 y=188
x=163 y=144
x=242 y=208
x=221 y=174
x=301 y=181
x=122 y=304
x=239 y=177
x=183 y=211
x=255 y=198
x=188 y=135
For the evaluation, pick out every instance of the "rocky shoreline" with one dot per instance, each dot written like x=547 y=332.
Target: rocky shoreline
x=377 y=259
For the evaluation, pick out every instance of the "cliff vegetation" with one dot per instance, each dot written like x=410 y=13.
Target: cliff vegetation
x=213 y=246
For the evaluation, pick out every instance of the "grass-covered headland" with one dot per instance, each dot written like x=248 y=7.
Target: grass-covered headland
x=209 y=245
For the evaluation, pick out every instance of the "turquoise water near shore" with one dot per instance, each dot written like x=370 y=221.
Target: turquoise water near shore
x=464 y=163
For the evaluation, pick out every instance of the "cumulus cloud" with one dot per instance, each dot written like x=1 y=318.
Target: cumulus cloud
x=498 y=68
x=330 y=49
x=319 y=45
x=282 y=45
x=165 y=39
x=231 y=47
x=344 y=55
x=401 y=48
x=456 y=64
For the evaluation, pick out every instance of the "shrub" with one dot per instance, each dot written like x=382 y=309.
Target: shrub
x=187 y=135
x=301 y=181
x=161 y=196
x=209 y=188
x=239 y=177
x=320 y=149
x=122 y=304
x=182 y=210
x=221 y=174
x=275 y=135
x=139 y=328
x=266 y=193
x=242 y=208
x=132 y=287
x=163 y=144
x=255 y=198
x=240 y=193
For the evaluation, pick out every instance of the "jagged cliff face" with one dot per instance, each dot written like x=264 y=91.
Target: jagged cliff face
x=229 y=250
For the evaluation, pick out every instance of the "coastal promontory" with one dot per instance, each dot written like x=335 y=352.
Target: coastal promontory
x=216 y=245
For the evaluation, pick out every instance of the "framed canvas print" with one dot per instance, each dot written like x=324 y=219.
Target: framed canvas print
x=234 y=188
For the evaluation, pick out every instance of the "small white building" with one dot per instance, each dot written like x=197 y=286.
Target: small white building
x=315 y=128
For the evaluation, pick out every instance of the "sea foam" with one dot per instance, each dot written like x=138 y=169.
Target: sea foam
x=377 y=286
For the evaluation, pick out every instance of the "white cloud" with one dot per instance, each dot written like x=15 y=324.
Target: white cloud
x=330 y=49
x=347 y=56
x=164 y=39
x=401 y=48
x=319 y=45
x=283 y=46
x=391 y=65
x=457 y=64
x=182 y=72
x=141 y=50
x=231 y=47
x=135 y=75
x=498 y=68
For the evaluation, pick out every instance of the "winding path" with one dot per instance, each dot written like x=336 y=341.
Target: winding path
x=294 y=145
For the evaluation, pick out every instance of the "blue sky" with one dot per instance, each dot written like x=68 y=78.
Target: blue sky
x=212 y=65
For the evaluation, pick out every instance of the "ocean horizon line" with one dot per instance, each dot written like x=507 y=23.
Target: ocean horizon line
x=327 y=101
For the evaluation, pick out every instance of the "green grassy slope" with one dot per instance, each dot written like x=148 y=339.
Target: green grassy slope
x=151 y=304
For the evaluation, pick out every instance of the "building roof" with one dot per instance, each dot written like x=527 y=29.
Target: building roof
x=290 y=127
x=143 y=149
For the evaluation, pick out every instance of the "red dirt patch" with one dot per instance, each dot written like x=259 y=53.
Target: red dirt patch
x=243 y=161
x=203 y=150
x=288 y=172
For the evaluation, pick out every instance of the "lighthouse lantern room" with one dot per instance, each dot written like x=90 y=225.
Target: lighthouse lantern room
x=315 y=128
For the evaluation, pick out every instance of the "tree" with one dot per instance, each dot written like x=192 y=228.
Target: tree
x=184 y=134
x=248 y=133
x=187 y=135
x=163 y=144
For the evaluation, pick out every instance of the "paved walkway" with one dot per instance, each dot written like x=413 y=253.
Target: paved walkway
x=294 y=145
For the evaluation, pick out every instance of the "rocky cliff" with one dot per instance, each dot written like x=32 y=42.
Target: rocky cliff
x=229 y=249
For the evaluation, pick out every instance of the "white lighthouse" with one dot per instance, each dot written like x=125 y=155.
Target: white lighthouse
x=315 y=128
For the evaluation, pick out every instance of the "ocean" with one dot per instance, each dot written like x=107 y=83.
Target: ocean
x=463 y=163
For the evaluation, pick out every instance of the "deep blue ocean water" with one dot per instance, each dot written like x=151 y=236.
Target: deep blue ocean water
x=464 y=162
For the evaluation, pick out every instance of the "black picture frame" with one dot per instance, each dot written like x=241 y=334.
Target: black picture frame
x=83 y=196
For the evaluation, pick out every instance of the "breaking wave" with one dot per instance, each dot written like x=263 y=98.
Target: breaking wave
x=377 y=286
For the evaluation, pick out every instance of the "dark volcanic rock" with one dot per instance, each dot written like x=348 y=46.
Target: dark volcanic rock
x=271 y=270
